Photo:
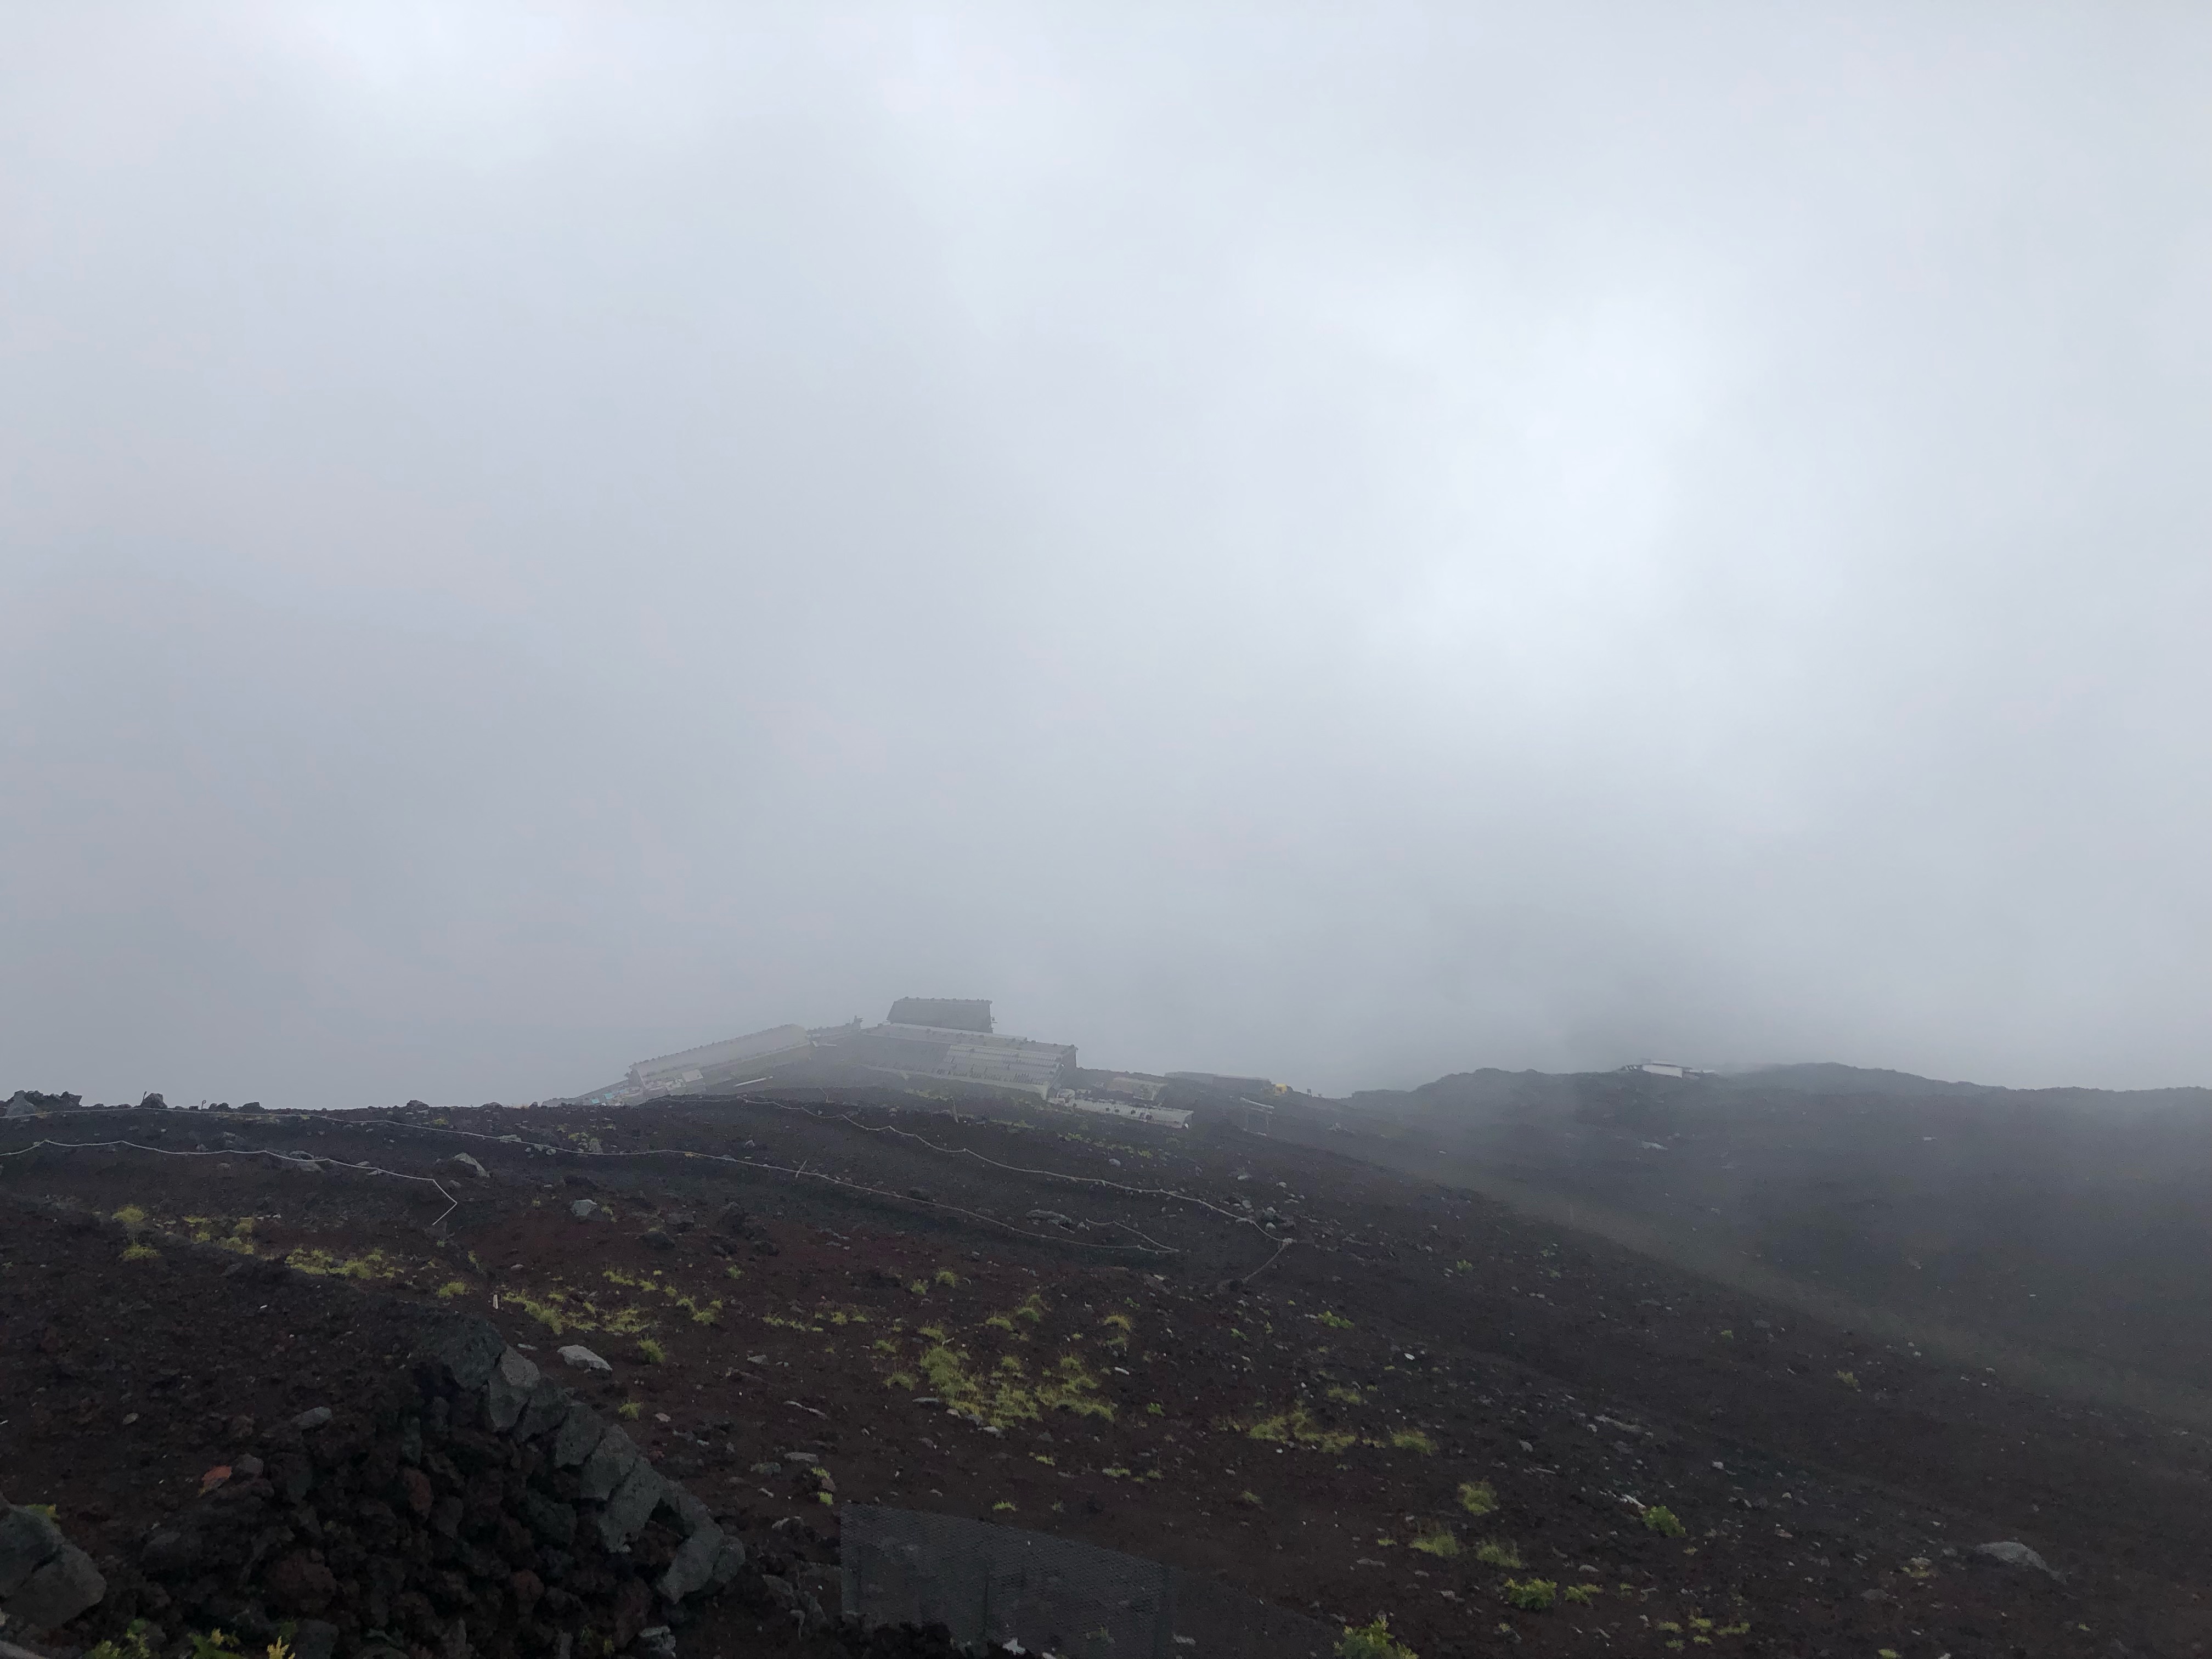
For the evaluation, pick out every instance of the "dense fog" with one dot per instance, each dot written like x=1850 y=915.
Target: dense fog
x=1349 y=543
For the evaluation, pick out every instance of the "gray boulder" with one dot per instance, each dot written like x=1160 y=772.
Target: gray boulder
x=608 y=1465
x=508 y=1389
x=693 y=1569
x=728 y=1562
x=469 y=1348
x=469 y=1167
x=27 y=1541
x=583 y=1209
x=59 y=1591
x=692 y=1516
x=313 y=1418
x=583 y=1360
x=548 y=1404
x=579 y=1436
x=631 y=1505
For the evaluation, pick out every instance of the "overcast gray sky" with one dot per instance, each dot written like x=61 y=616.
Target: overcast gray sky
x=1350 y=542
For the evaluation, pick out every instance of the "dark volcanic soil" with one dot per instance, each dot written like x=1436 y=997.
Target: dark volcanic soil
x=1298 y=1403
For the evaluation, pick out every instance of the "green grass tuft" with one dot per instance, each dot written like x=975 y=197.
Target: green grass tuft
x=1663 y=1521
x=1372 y=1641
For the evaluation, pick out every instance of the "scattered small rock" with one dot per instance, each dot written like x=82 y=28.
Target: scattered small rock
x=313 y=1418
x=659 y=1239
x=583 y=1209
x=2013 y=1554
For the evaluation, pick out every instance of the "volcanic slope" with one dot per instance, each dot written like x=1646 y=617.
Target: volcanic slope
x=2056 y=1232
x=1346 y=1391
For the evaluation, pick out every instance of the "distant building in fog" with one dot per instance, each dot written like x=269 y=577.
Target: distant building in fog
x=1143 y=1088
x=736 y=1059
x=943 y=1013
x=909 y=1045
x=927 y=1039
x=1665 y=1068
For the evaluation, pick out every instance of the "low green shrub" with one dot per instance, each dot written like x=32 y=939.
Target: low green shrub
x=1372 y=1641
x=1663 y=1521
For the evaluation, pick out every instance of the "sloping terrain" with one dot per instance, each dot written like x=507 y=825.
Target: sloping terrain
x=1388 y=1395
x=2062 y=1231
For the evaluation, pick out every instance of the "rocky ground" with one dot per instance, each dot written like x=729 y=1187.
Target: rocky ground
x=1346 y=1391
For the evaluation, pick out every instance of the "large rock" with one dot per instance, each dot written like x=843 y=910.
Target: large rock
x=59 y=1591
x=469 y=1167
x=548 y=1404
x=693 y=1569
x=608 y=1465
x=691 y=1515
x=631 y=1505
x=728 y=1562
x=579 y=1436
x=27 y=1541
x=508 y=1390
x=580 y=1357
x=469 y=1349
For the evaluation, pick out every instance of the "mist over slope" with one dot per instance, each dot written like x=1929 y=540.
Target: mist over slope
x=2068 y=1222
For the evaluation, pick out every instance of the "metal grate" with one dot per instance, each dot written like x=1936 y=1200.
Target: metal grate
x=991 y=1584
